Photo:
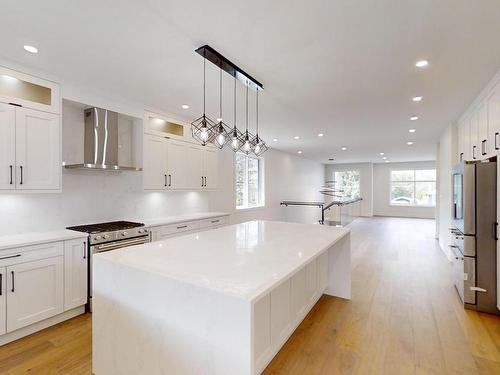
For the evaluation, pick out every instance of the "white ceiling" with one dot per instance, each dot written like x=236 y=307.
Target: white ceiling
x=341 y=67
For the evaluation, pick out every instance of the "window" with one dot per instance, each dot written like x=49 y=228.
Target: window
x=248 y=181
x=347 y=183
x=413 y=187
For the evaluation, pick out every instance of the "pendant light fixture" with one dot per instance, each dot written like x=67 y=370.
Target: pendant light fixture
x=221 y=134
x=246 y=144
x=258 y=145
x=202 y=127
x=235 y=133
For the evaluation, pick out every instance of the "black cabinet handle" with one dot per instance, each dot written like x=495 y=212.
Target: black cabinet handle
x=483 y=147
x=21 y=167
x=474 y=152
x=84 y=250
x=461 y=156
x=495 y=234
x=10 y=166
x=12 y=273
x=166 y=180
x=201 y=181
x=1 y=283
x=496 y=143
x=169 y=180
x=182 y=227
x=205 y=181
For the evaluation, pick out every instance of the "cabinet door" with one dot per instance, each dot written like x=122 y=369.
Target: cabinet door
x=176 y=165
x=494 y=120
x=37 y=150
x=466 y=141
x=7 y=147
x=474 y=137
x=482 y=121
x=210 y=168
x=34 y=292
x=75 y=273
x=195 y=167
x=154 y=163
x=3 y=300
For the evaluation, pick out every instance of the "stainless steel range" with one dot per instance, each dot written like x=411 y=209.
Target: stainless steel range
x=111 y=236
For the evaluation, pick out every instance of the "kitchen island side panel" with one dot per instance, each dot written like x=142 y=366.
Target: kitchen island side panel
x=144 y=323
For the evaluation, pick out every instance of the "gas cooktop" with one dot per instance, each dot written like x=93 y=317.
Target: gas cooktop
x=106 y=227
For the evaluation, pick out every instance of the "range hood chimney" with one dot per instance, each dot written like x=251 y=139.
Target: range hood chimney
x=101 y=142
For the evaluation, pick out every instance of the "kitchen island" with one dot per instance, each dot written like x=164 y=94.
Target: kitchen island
x=222 y=301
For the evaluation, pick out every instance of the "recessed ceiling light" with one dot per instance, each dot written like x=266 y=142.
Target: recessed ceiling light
x=382 y=154
x=412 y=130
x=409 y=143
x=30 y=49
x=296 y=137
x=275 y=139
x=343 y=148
x=414 y=118
x=417 y=98
x=185 y=106
x=320 y=134
x=299 y=152
x=384 y=158
x=422 y=63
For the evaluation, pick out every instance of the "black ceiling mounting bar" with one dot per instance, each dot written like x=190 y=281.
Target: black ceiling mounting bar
x=216 y=58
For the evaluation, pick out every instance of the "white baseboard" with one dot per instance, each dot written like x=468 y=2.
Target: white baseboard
x=26 y=331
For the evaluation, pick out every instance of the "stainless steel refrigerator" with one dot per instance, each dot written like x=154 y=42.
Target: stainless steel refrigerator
x=474 y=234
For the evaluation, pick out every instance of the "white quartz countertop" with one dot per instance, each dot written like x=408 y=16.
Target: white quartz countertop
x=34 y=238
x=243 y=260
x=181 y=218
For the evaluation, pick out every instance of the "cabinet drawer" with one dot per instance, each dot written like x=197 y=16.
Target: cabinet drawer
x=213 y=222
x=178 y=228
x=30 y=253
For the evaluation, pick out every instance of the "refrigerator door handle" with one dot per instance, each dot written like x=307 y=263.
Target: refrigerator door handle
x=478 y=289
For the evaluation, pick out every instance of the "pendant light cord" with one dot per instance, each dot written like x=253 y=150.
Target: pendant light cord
x=257 y=115
x=247 y=112
x=235 y=102
x=204 y=59
x=220 y=93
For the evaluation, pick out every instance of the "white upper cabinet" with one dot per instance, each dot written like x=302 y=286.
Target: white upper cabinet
x=171 y=164
x=474 y=136
x=30 y=133
x=482 y=125
x=154 y=169
x=177 y=156
x=7 y=146
x=29 y=92
x=494 y=120
x=210 y=168
x=37 y=150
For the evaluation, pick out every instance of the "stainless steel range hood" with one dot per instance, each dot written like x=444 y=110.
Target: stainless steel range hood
x=101 y=145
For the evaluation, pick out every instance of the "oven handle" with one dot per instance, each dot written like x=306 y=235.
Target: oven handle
x=117 y=245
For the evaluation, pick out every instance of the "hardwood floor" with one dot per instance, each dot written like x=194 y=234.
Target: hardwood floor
x=404 y=318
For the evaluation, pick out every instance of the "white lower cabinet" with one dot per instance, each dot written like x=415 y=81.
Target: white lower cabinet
x=167 y=231
x=39 y=282
x=3 y=302
x=34 y=291
x=75 y=273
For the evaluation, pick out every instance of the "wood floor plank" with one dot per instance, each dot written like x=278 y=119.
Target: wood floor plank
x=405 y=317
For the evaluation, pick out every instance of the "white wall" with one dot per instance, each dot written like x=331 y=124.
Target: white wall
x=286 y=176
x=381 y=191
x=365 y=181
x=446 y=159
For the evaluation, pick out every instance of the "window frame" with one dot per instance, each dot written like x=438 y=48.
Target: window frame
x=414 y=181
x=261 y=167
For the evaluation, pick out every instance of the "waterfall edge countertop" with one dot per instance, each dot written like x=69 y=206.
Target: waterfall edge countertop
x=242 y=260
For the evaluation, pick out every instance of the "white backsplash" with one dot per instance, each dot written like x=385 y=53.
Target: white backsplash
x=92 y=196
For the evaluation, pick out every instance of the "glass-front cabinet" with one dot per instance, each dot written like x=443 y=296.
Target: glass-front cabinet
x=30 y=92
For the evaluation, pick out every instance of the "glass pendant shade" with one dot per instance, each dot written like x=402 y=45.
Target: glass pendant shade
x=221 y=134
x=259 y=146
x=235 y=139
